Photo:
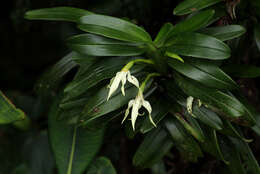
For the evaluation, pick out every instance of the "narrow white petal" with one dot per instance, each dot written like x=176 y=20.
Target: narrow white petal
x=134 y=114
x=115 y=84
x=132 y=79
x=148 y=107
x=130 y=104
x=123 y=86
x=151 y=120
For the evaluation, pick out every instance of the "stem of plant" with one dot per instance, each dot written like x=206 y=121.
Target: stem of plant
x=158 y=57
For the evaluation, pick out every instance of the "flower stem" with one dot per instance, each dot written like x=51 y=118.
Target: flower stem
x=146 y=80
x=131 y=63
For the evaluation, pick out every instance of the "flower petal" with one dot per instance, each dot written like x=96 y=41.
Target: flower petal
x=123 y=86
x=134 y=114
x=130 y=104
x=115 y=83
x=148 y=107
x=132 y=79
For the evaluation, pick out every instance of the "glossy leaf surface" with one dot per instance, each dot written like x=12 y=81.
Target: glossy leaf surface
x=184 y=142
x=189 y=6
x=224 y=33
x=204 y=72
x=74 y=147
x=113 y=28
x=193 y=23
x=225 y=104
x=198 y=45
x=154 y=146
x=100 y=46
x=57 y=14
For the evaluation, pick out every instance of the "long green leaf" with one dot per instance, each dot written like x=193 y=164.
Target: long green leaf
x=198 y=45
x=247 y=156
x=222 y=103
x=211 y=144
x=50 y=79
x=224 y=33
x=100 y=46
x=193 y=23
x=101 y=70
x=102 y=165
x=204 y=72
x=113 y=28
x=163 y=34
x=154 y=146
x=189 y=6
x=98 y=105
x=8 y=112
x=57 y=14
x=74 y=147
x=201 y=113
x=184 y=142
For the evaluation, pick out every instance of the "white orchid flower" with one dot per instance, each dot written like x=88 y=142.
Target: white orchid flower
x=122 y=77
x=136 y=104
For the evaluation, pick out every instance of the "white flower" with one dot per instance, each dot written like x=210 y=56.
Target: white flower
x=136 y=104
x=121 y=76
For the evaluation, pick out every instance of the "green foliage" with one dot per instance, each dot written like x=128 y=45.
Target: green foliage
x=178 y=90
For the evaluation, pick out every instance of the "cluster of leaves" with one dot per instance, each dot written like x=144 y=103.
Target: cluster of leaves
x=196 y=105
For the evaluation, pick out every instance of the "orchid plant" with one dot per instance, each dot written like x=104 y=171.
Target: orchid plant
x=187 y=99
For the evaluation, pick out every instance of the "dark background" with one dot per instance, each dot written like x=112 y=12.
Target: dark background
x=30 y=47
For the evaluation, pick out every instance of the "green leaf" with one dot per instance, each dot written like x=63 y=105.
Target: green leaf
x=50 y=79
x=174 y=56
x=247 y=156
x=57 y=14
x=204 y=72
x=101 y=70
x=113 y=28
x=243 y=71
x=201 y=113
x=189 y=6
x=102 y=166
x=231 y=154
x=154 y=146
x=207 y=116
x=74 y=147
x=233 y=131
x=183 y=141
x=198 y=45
x=163 y=34
x=100 y=46
x=193 y=23
x=160 y=109
x=220 y=102
x=8 y=112
x=224 y=33
x=211 y=144
x=98 y=105
x=191 y=125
